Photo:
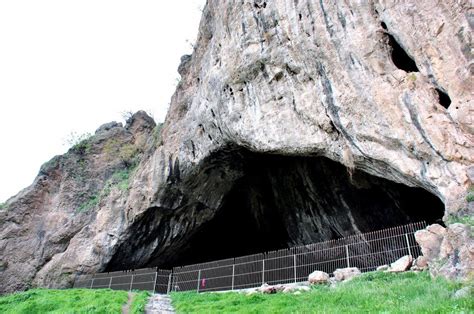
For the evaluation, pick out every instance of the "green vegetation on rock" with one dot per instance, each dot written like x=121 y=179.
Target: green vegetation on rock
x=470 y=194
x=375 y=292
x=3 y=206
x=466 y=220
x=92 y=202
x=80 y=143
x=157 y=139
x=120 y=179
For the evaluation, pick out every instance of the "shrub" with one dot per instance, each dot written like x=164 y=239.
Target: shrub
x=79 y=142
x=121 y=178
x=466 y=220
x=92 y=202
x=128 y=154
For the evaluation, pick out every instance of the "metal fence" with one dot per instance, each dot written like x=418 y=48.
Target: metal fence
x=366 y=251
x=151 y=279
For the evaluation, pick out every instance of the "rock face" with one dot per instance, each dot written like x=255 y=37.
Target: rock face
x=288 y=115
x=448 y=251
x=60 y=209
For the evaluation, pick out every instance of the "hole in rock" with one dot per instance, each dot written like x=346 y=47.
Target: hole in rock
x=279 y=202
x=444 y=99
x=399 y=56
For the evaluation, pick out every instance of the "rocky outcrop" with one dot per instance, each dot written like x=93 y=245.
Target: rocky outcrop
x=448 y=251
x=60 y=210
x=278 y=101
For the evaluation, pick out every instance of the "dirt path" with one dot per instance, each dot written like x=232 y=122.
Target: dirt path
x=159 y=304
x=126 y=306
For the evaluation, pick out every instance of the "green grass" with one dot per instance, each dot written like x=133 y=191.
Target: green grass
x=370 y=293
x=38 y=301
x=139 y=301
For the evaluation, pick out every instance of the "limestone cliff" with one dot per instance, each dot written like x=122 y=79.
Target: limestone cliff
x=294 y=121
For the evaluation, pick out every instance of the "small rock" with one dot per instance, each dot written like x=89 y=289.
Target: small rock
x=267 y=289
x=318 y=277
x=383 y=268
x=402 y=264
x=297 y=292
x=289 y=289
x=463 y=293
x=420 y=263
x=279 y=288
x=341 y=274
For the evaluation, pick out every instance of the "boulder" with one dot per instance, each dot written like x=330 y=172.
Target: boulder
x=420 y=263
x=429 y=240
x=341 y=274
x=464 y=292
x=383 y=268
x=296 y=288
x=402 y=264
x=318 y=277
x=267 y=289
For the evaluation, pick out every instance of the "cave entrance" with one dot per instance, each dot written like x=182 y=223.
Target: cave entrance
x=283 y=201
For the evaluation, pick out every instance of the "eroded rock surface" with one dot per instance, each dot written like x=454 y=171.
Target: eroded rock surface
x=449 y=251
x=381 y=88
x=61 y=209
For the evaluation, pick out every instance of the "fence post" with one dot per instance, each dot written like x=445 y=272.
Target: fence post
x=263 y=271
x=92 y=282
x=110 y=281
x=347 y=256
x=199 y=279
x=154 y=285
x=233 y=275
x=170 y=277
x=131 y=283
x=408 y=244
x=294 y=265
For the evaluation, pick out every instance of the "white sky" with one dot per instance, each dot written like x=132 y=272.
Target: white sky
x=70 y=66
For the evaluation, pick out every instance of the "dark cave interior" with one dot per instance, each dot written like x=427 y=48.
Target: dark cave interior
x=282 y=201
x=444 y=98
x=399 y=56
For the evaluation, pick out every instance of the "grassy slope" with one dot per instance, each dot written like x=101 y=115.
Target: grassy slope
x=70 y=301
x=372 y=292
